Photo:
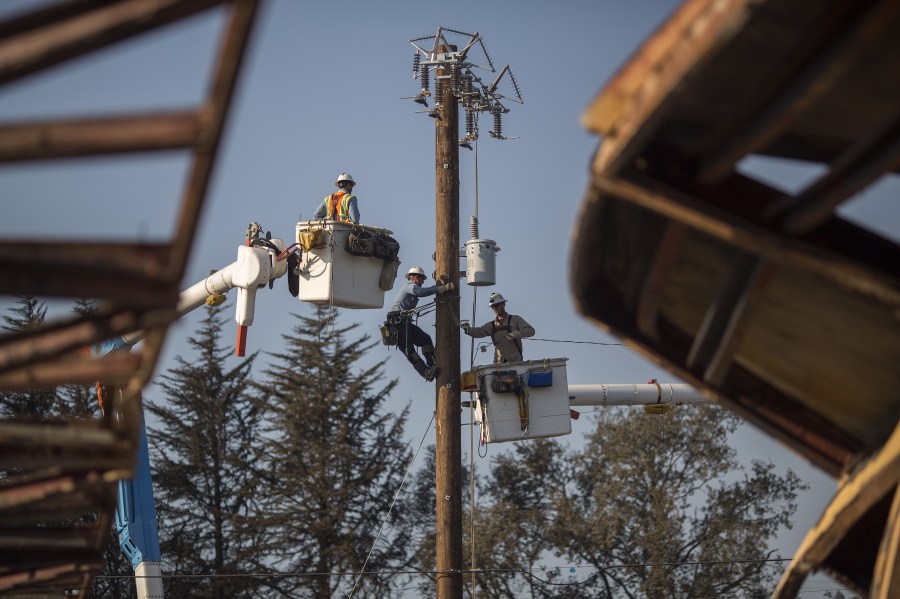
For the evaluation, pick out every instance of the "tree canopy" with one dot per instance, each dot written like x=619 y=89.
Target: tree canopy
x=651 y=506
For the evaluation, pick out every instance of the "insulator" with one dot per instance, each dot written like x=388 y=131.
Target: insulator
x=438 y=92
x=416 y=60
x=473 y=227
x=470 y=122
x=454 y=78
x=424 y=77
x=498 y=130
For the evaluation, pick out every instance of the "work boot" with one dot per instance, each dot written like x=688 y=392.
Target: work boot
x=428 y=351
x=430 y=373
x=420 y=367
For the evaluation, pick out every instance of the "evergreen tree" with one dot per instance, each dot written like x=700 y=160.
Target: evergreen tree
x=203 y=468
x=27 y=314
x=80 y=401
x=336 y=460
x=117 y=580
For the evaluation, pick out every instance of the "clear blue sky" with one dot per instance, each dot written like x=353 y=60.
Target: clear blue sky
x=320 y=93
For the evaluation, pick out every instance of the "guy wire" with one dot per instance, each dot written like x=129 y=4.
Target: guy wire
x=390 y=509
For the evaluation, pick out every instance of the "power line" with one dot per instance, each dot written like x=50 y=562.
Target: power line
x=570 y=341
x=476 y=571
x=461 y=571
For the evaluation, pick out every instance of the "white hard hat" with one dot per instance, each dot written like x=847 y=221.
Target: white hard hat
x=345 y=177
x=496 y=298
x=415 y=270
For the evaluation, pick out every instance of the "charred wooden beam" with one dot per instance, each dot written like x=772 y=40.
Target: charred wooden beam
x=110 y=135
x=857 y=495
x=855 y=169
x=213 y=113
x=772 y=245
x=49 y=37
x=133 y=274
x=655 y=282
x=726 y=319
x=120 y=368
x=633 y=105
x=828 y=62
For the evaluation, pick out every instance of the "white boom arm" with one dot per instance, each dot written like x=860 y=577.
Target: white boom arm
x=634 y=395
x=255 y=266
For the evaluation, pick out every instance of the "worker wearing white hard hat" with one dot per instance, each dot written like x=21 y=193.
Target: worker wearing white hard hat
x=342 y=204
x=409 y=335
x=506 y=331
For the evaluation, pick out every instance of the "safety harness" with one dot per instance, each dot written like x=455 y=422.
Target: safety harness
x=390 y=329
x=507 y=328
x=339 y=206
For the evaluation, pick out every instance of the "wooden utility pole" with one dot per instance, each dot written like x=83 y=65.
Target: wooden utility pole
x=455 y=83
x=448 y=444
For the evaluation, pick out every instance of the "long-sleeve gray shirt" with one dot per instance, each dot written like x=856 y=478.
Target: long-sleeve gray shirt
x=507 y=350
x=409 y=296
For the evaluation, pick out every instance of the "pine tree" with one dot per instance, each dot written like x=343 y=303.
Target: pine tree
x=204 y=472
x=336 y=460
x=28 y=314
x=117 y=580
x=80 y=401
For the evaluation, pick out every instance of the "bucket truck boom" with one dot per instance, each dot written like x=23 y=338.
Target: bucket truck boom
x=258 y=263
x=533 y=399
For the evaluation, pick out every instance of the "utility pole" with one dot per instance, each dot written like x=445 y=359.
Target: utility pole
x=448 y=421
x=455 y=84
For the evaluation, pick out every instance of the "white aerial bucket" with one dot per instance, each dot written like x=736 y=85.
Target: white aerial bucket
x=523 y=400
x=481 y=262
x=329 y=274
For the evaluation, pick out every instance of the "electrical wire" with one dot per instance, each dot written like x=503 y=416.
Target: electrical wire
x=484 y=345
x=651 y=565
x=461 y=571
x=570 y=341
x=473 y=572
x=472 y=404
x=390 y=509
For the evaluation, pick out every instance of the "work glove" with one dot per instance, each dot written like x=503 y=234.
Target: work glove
x=514 y=335
x=445 y=288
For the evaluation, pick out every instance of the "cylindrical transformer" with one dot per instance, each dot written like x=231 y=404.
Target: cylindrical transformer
x=481 y=262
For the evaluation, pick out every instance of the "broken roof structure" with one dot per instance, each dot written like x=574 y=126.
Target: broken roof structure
x=58 y=496
x=768 y=301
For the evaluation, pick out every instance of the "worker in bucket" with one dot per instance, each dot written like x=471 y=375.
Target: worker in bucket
x=409 y=335
x=506 y=331
x=342 y=204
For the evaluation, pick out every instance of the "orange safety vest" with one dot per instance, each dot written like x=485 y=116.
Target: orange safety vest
x=338 y=205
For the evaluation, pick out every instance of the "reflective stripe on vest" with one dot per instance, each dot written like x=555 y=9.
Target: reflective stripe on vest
x=339 y=206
